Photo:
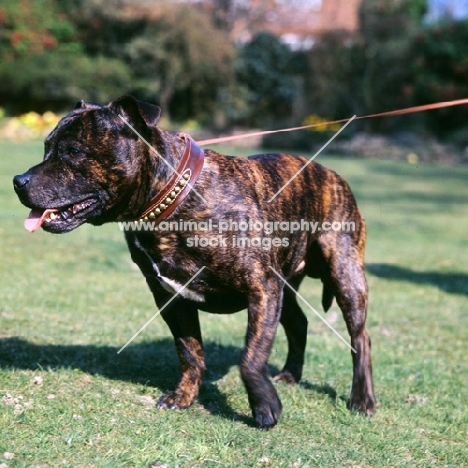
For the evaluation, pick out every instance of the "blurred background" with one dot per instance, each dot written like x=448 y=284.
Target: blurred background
x=217 y=66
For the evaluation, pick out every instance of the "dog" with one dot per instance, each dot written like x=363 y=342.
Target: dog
x=114 y=164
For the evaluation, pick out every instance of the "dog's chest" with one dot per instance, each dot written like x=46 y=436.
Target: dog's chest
x=171 y=285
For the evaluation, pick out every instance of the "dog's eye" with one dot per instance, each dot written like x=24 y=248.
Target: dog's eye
x=73 y=152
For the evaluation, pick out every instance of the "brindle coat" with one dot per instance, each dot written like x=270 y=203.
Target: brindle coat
x=97 y=170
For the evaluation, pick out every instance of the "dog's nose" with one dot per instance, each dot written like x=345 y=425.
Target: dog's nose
x=21 y=181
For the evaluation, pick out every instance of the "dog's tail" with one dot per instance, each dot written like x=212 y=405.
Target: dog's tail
x=327 y=296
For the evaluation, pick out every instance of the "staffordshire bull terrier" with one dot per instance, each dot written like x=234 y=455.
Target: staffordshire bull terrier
x=114 y=164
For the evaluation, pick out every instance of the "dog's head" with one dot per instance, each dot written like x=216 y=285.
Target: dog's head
x=93 y=167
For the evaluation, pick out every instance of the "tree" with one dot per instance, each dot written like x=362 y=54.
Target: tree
x=367 y=71
x=265 y=70
x=334 y=77
x=33 y=28
x=42 y=63
x=440 y=73
x=386 y=30
x=177 y=55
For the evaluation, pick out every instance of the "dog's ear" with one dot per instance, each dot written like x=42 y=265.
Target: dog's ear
x=87 y=105
x=133 y=111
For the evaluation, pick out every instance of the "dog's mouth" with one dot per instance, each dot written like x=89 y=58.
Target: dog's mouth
x=60 y=219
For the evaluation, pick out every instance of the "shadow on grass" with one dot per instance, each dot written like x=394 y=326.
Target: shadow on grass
x=154 y=364
x=324 y=389
x=454 y=283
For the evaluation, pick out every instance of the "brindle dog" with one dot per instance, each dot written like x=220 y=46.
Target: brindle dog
x=97 y=170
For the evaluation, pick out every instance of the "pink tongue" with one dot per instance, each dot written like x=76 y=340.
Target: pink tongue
x=35 y=219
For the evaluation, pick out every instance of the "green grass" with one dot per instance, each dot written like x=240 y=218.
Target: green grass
x=68 y=303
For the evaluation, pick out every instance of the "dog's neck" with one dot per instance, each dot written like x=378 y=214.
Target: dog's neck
x=179 y=185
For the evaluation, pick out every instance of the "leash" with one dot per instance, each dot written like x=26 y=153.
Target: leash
x=408 y=110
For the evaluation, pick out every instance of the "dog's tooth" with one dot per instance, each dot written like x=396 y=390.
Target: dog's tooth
x=53 y=216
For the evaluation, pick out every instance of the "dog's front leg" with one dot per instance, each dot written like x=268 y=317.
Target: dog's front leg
x=263 y=316
x=182 y=319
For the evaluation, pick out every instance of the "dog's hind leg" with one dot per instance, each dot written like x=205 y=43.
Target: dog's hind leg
x=294 y=323
x=344 y=257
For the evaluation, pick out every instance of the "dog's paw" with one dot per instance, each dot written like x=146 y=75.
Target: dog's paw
x=365 y=405
x=173 y=401
x=285 y=377
x=266 y=415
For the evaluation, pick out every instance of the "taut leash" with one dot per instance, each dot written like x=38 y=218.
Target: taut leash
x=408 y=110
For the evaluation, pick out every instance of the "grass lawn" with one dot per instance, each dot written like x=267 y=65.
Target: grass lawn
x=68 y=303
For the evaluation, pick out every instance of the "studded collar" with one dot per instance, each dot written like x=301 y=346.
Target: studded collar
x=179 y=185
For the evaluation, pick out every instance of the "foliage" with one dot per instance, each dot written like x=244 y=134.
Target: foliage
x=182 y=61
x=52 y=80
x=320 y=124
x=175 y=55
x=54 y=52
x=366 y=72
x=386 y=28
x=440 y=73
x=43 y=65
x=334 y=79
x=264 y=68
x=30 y=28
x=383 y=20
x=29 y=126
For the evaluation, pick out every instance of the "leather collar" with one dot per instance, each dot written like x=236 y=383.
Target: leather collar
x=179 y=185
